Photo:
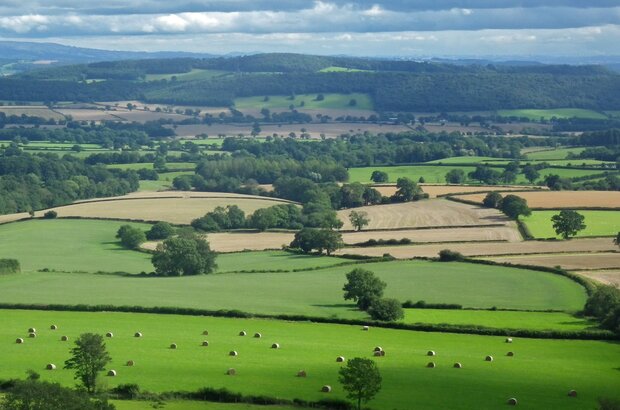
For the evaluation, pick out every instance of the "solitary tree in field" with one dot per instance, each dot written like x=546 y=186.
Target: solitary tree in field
x=361 y=380
x=363 y=287
x=88 y=358
x=514 y=206
x=358 y=219
x=379 y=176
x=184 y=255
x=567 y=223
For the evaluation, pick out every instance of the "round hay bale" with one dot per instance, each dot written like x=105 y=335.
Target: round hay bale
x=112 y=373
x=512 y=401
x=572 y=393
x=233 y=353
x=231 y=372
x=378 y=349
x=488 y=359
x=205 y=333
x=173 y=345
x=32 y=330
x=377 y=353
x=109 y=334
x=366 y=328
x=137 y=334
x=457 y=365
x=340 y=359
x=275 y=346
x=326 y=389
x=431 y=353
x=509 y=340
x=257 y=335
x=205 y=343
x=301 y=373
x=32 y=335
x=242 y=333
x=64 y=338
x=430 y=365
x=130 y=363
x=50 y=366
x=54 y=327
x=19 y=340
x=510 y=354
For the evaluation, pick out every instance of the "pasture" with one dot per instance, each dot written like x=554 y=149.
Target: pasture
x=540 y=374
x=194 y=74
x=535 y=115
x=163 y=183
x=306 y=101
x=598 y=223
x=551 y=154
x=560 y=199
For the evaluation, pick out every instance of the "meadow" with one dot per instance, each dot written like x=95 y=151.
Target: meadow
x=163 y=183
x=330 y=101
x=598 y=223
x=535 y=115
x=540 y=374
x=551 y=154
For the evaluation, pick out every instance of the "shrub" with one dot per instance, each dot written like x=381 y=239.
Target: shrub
x=131 y=237
x=492 y=200
x=50 y=215
x=161 y=230
x=602 y=301
x=8 y=266
x=127 y=391
x=387 y=310
x=446 y=255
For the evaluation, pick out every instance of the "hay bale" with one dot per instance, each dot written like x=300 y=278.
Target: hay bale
x=301 y=373
x=205 y=333
x=173 y=345
x=257 y=335
x=366 y=328
x=130 y=363
x=378 y=349
x=64 y=338
x=572 y=393
x=457 y=365
x=431 y=353
x=512 y=401
x=109 y=334
x=510 y=354
x=377 y=353
x=340 y=359
x=19 y=340
x=231 y=372
x=205 y=343
x=488 y=359
x=275 y=346
x=112 y=373
x=50 y=366
x=137 y=334
x=431 y=365
x=242 y=333
x=509 y=340
x=326 y=389
x=32 y=335
x=233 y=353
x=32 y=330
x=382 y=352
x=53 y=327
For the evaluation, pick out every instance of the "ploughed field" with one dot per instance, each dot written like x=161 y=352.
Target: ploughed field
x=539 y=375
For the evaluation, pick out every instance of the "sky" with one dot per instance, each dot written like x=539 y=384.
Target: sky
x=329 y=27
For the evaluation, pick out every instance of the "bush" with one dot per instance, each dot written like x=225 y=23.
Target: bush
x=420 y=304
x=127 y=391
x=386 y=310
x=131 y=237
x=602 y=301
x=446 y=255
x=8 y=266
x=161 y=230
x=50 y=215
x=492 y=200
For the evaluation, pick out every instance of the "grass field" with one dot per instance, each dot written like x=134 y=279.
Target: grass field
x=598 y=223
x=331 y=101
x=556 y=112
x=164 y=182
x=561 y=199
x=194 y=74
x=193 y=405
x=336 y=69
x=550 y=154
x=539 y=375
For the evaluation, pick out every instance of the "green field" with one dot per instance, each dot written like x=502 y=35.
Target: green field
x=598 y=223
x=331 y=101
x=556 y=112
x=336 y=69
x=193 y=405
x=163 y=183
x=539 y=375
x=179 y=166
x=550 y=154
x=194 y=74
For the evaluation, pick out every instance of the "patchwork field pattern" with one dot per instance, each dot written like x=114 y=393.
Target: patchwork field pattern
x=561 y=199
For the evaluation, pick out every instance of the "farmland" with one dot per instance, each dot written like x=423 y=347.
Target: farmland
x=569 y=261
x=307 y=101
x=557 y=113
x=561 y=199
x=536 y=374
x=435 y=190
x=551 y=154
x=598 y=223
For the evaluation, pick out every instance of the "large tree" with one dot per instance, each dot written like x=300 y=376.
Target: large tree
x=514 y=206
x=361 y=379
x=88 y=358
x=379 y=177
x=308 y=239
x=359 y=219
x=455 y=176
x=184 y=255
x=567 y=223
x=363 y=287
x=407 y=190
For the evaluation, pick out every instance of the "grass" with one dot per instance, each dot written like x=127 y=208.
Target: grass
x=336 y=69
x=556 y=112
x=539 y=375
x=163 y=183
x=331 y=101
x=193 y=405
x=272 y=260
x=194 y=74
x=598 y=223
x=551 y=154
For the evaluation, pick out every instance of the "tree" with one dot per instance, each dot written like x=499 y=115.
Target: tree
x=361 y=380
x=50 y=215
x=617 y=239
x=308 y=239
x=363 y=287
x=387 y=310
x=514 y=206
x=358 y=219
x=492 y=200
x=130 y=236
x=531 y=173
x=602 y=301
x=32 y=394
x=88 y=358
x=455 y=176
x=379 y=177
x=567 y=223
x=184 y=255
x=407 y=190
x=161 y=230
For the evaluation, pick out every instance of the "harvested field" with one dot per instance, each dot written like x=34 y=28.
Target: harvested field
x=427 y=213
x=571 y=261
x=31 y=110
x=491 y=248
x=562 y=199
x=13 y=217
x=607 y=277
x=435 y=190
x=235 y=242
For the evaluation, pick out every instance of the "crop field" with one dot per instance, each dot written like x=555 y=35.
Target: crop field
x=570 y=261
x=434 y=190
x=489 y=248
x=31 y=110
x=539 y=374
x=533 y=114
x=598 y=223
x=426 y=213
x=331 y=101
x=607 y=277
x=560 y=199
x=550 y=154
